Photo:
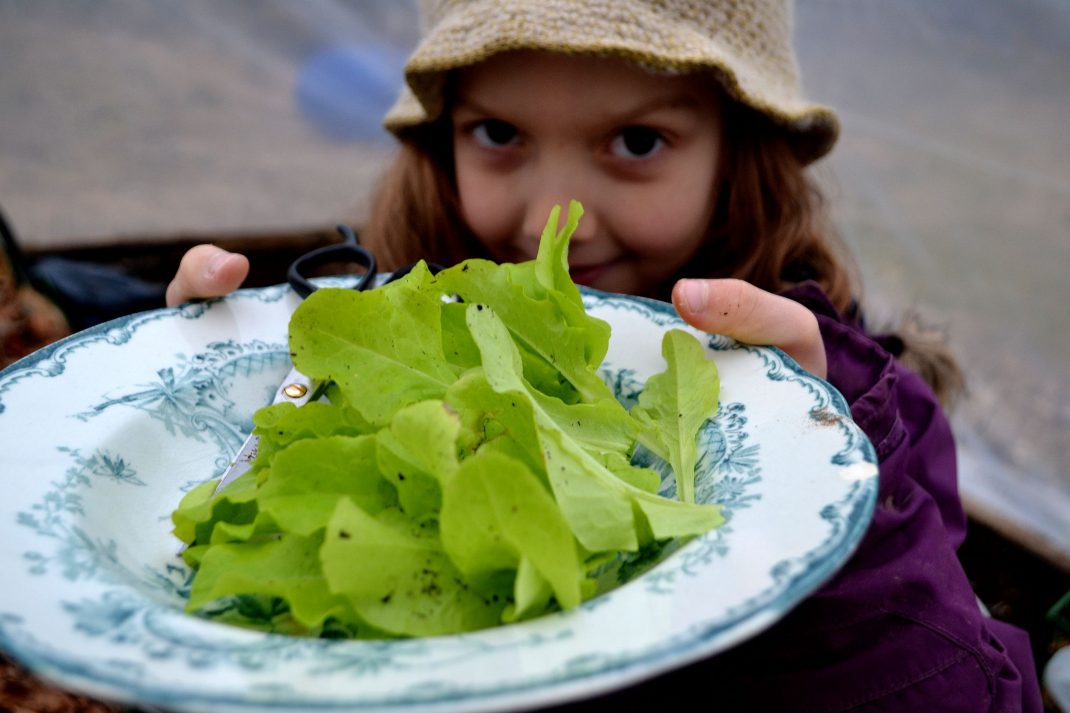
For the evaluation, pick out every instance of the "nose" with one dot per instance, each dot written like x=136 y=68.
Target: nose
x=558 y=191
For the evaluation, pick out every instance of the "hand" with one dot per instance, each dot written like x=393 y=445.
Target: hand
x=206 y=271
x=739 y=310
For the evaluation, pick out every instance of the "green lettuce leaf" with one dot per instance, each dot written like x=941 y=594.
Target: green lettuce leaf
x=418 y=453
x=382 y=347
x=395 y=574
x=604 y=511
x=561 y=344
x=287 y=567
x=469 y=468
x=671 y=410
x=496 y=512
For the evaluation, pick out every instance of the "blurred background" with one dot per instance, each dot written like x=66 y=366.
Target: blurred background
x=130 y=130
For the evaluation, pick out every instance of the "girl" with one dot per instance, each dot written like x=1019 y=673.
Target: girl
x=679 y=126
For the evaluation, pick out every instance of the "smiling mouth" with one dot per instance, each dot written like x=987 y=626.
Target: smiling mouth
x=588 y=274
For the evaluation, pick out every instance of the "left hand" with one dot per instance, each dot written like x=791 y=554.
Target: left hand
x=739 y=310
x=206 y=271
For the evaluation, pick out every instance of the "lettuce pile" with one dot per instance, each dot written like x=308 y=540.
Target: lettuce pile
x=469 y=467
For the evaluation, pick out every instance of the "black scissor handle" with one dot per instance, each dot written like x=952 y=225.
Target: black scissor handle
x=348 y=251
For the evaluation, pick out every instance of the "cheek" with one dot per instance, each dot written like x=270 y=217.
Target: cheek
x=693 y=204
x=485 y=204
x=669 y=217
x=671 y=224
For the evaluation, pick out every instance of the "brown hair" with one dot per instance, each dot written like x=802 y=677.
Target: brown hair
x=765 y=190
x=416 y=213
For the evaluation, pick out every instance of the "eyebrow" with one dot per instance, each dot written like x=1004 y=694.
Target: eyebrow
x=677 y=101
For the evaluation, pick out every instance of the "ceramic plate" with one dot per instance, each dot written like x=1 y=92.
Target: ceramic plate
x=102 y=433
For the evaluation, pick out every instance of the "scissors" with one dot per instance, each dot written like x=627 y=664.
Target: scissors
x=297 y=388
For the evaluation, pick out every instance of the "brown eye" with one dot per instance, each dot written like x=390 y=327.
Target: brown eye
x=637 y=142
x=494 y=133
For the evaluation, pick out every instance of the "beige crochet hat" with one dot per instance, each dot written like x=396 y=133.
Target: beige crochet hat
x=746 y=43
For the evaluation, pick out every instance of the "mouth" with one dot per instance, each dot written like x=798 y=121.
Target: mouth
x=588 y=275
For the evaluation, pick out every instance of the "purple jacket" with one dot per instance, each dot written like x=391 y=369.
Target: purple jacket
x=899 y=627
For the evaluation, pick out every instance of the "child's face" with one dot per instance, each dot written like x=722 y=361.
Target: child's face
x=534 y=129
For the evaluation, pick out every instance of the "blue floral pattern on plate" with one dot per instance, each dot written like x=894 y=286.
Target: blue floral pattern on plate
x=102 y=433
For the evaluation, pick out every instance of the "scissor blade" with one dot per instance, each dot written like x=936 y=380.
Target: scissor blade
x=241 y=463
x=297 y=389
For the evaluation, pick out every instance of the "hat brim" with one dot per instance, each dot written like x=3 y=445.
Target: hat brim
x=469 y=37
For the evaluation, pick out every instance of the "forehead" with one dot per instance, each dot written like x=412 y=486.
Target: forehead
x=528 y=79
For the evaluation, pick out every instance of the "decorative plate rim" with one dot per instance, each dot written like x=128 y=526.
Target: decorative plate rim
x=69 y=669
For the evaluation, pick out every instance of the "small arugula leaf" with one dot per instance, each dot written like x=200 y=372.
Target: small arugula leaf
x=551 y=262
x=671 y=410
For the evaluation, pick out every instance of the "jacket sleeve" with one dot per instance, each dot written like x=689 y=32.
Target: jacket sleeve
x=898 y=628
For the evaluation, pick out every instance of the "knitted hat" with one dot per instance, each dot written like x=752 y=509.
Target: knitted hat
x=746 y=44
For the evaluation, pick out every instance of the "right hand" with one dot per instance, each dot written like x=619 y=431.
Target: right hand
x=206 y=271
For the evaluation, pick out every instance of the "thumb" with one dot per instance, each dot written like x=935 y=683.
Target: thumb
x=206 y=271
x=748 y=314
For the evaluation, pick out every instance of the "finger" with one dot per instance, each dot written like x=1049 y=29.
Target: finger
x=207 y=271
x=739 y=310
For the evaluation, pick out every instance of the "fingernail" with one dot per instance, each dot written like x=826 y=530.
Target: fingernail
x=695 y=295
x=216 y=264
